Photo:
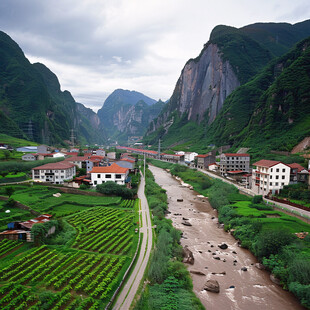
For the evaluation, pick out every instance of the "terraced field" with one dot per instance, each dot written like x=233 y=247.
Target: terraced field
x=83 y=275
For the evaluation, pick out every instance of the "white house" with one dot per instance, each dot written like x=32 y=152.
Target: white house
x=188 y=156
x=55 y=173
x=113 y=173
x=269 y=176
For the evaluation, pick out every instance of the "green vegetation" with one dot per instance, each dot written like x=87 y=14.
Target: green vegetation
x=111 y=188
x=269 y=234
x=31 y=98
x=15 y=142
x=78 y=267
x=296 y=193
x=170 y=284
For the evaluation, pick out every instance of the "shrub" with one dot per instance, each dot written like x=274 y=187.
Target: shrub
x=300 y=271
x=302 y=292
x=271 y=241
x=111 y=188
x=257 y=199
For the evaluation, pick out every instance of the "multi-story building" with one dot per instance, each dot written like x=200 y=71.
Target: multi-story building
x=113 y=173
x=298 y=173
x=55 y=173
x=203 y=161
x=234 y=162
x=269 y=176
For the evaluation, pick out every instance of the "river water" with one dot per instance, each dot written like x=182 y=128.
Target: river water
x=239 y=290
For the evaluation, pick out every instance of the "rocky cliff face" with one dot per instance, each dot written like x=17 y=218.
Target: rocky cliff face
x=204 y=84
x=128 y=113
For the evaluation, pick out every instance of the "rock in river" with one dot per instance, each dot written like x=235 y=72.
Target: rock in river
x=212 y=286
x=223 y=246
x=188 y=256
x=186 y=223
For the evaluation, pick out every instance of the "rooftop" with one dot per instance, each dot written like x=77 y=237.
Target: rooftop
x=55 y=166
x=267 y=163
x=114 y=168
x=236 y=155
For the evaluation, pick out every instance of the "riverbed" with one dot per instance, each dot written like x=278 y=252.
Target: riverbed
x=239 y=290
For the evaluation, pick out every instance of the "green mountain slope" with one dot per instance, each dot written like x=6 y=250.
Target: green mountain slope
x=272 y=111
x=127 y=113
x=244 y=118
x=31 y=103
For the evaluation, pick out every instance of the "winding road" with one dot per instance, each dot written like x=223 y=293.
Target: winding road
x=130 y=288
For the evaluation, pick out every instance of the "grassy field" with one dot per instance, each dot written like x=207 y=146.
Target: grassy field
x=270 y=218
x=15 y=142
x=81 y=265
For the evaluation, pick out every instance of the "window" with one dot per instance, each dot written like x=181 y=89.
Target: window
x=277 y=170
x=277 y=177
x=271 y=169
x=270 y=177
x=62 y=171
x=98 y=175
x=118 y=176
x=282 y=184
x=95 y=182
x=283 y=177
x=277 y=184
x=270 y=183
x=283 y=170
x=108 y=176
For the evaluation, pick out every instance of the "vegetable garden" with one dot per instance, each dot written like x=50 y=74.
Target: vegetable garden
x=81 y=276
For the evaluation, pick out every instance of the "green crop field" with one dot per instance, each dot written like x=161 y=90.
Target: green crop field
x=82 y=273
x=270 y=218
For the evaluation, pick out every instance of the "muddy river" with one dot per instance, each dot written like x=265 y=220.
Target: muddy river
x=245 y=290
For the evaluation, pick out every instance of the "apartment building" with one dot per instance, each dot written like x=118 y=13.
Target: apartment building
x=234 y=162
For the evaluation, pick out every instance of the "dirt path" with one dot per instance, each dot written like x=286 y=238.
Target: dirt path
x=130 y=289
x=239 y=290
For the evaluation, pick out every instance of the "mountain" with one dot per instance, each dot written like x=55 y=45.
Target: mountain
x=32 y=104
x=230 y=59
x=272 y=111
x=128 y=113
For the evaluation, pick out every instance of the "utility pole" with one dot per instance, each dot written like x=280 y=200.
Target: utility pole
x=144 y=166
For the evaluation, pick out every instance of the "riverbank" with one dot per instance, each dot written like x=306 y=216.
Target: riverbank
x=250 y=289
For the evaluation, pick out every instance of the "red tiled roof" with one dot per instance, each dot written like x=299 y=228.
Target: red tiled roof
x=203 y=156
x=236 y=155
x=55 y=166
x=213 y=164
x=235 y=171
x=114 y=168
x=266 y=163
x=297 y=166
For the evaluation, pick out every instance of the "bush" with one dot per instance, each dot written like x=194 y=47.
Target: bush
x=257 y=199
x=111 y=188
x=271 y=241
x=302 y=292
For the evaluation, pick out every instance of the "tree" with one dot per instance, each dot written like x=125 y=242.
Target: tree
x=271 y=241
x=9 y=191
x=6 y=154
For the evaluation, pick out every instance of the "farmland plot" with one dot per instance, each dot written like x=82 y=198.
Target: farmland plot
x=82 y=276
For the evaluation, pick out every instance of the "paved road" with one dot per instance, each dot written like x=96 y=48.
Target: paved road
x=130 y=289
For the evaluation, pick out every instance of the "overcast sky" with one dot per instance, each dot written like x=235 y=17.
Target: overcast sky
x=97 y=46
